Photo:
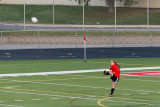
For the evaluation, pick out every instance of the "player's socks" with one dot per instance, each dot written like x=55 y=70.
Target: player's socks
x=112 y=90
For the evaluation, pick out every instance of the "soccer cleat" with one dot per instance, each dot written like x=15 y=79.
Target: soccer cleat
x=110 y=95
x=104 y=72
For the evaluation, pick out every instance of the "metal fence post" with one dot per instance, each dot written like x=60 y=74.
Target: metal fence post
x=113 y=38
x=38 y=39
x=83 y=14
x=53 y=16
x=24 y=15
x=115 y=5
x=1 y=41
x=150 y=38
x=76 y=39
x=148 y=27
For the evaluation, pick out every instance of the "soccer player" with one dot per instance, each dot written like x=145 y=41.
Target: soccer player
x=115 y=75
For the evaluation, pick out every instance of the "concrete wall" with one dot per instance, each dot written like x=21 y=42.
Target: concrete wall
x=57 y=2
x=77 y=53
x=141 y=3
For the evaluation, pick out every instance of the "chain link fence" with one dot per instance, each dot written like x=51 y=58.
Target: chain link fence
x=74 y=39
x=51 y=13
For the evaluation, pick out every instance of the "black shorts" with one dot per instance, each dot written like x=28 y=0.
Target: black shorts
x=115 y=79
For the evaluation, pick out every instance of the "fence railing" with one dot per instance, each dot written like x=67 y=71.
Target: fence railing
x=74 y=39
x=78 y=15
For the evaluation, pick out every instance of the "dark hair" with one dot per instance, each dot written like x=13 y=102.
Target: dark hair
x=116 y=64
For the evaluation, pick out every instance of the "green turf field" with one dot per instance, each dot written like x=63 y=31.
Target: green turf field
x=78 y=89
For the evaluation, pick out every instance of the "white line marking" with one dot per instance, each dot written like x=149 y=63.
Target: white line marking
x=12 y=86
x=72 y=97
x=120 y=78
x=126 y=94
x=3 y=79
x=144 y=93
x=55 y=98
x=131 y=102
x=71 y=85
x=10 y=105
x=1 y=101
x=36 y=99
x=71 y=72
x=75 y=97
x=50 y=95
x=18 y=100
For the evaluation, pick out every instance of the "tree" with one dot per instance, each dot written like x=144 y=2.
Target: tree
x=110 y=3
x=85 y=1
x=127 y=3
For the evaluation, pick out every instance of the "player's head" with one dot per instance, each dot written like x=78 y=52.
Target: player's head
x=113 y=62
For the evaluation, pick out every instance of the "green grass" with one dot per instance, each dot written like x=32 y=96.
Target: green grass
x=77 y=90
x=74 y=15
x=81 y=33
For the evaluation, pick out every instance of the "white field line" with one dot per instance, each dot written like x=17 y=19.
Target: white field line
x=55 y=98
x=92 y=87
x=51 y=95
x=130 y=102
x=72 y=72
x=36 y=99
x=71 y=85
x=18 y=100
x=120 y=78
x=144 y=93
x=12 y=86
x=126 y=94
x=6 y=105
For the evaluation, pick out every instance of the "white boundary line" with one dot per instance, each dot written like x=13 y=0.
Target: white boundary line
x=7 y=105
x=132 y=102
x=51 y=95
x=120 y=78
x=72 y=72
x=71 y=85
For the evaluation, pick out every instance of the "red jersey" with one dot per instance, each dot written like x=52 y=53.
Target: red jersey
x=115 y=70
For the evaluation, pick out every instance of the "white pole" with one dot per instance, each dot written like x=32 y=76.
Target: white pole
x=115 y=5
x=83 y=14
x=24 y=14
x=38 y=40
x=148 y=15
x=53 y=15
x=1 y=41
x=85 y=58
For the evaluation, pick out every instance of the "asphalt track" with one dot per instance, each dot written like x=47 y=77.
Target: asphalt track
x=20 y=27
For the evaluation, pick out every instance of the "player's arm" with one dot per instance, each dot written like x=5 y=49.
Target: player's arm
x=110 y=67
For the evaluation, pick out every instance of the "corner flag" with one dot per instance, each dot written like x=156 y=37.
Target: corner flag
x=85 y=38
x=85 y=56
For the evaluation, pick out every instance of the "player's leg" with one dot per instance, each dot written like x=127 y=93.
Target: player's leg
x=111 y=73
x=114 y=81
x=112 y=89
